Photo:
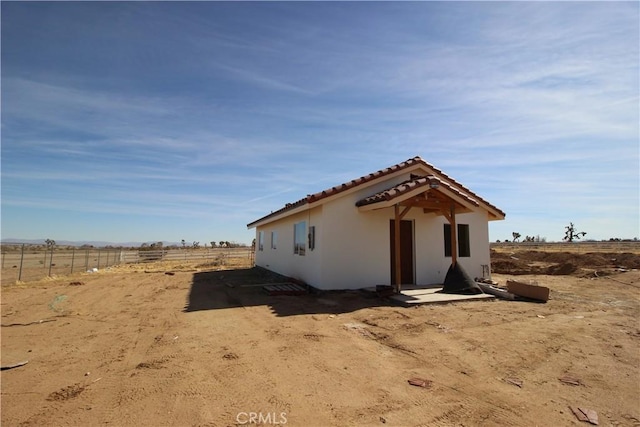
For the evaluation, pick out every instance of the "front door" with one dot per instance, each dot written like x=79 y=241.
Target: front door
x=406 y=251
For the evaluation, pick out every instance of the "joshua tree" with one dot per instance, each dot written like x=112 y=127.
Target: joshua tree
x=195 y=245
x=571 y=233
x=516 y=236
x=184 y=243
x=50 y=243
x=213 y=244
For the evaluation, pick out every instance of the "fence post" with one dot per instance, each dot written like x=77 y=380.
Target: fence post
x=86 y=260
x=3 y=254
x=44 y=263
x=98 y=259
x=21 y=258
x=73 y=257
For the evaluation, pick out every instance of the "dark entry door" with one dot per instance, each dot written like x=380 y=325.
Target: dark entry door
x=406 y=251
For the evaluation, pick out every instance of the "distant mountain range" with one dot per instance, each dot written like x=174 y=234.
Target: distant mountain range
x=95 y=243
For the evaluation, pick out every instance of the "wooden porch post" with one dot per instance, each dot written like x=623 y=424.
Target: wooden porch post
x=454 y=229
x=396 y=243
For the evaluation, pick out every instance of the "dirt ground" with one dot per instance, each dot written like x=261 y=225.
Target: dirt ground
x=135 y=346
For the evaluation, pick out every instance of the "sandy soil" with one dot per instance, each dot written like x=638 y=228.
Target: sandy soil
x=201 y=347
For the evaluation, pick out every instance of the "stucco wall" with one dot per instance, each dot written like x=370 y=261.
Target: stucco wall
x=353 y=249
x=431 y=264
x=283 y=260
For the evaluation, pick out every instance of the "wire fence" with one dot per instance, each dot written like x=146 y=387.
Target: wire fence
x=25 y=263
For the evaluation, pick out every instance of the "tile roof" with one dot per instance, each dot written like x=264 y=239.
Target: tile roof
x=448 y=182
x=410 y=185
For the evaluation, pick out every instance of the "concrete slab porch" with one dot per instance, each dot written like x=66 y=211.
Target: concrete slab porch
x=430 y=295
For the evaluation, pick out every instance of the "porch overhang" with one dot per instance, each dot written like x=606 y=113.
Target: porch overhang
x=429 y=193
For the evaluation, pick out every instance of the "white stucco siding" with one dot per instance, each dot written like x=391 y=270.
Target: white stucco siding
x=352 y=247
x=356 y=246
x=479 y=236
x=282 y=259
x=431 y=264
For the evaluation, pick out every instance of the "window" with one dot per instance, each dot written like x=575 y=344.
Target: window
x=299 y=238
x=274 y=239
x=447 y=240
x=464 y=245
x=312 y=237
x=261 y=240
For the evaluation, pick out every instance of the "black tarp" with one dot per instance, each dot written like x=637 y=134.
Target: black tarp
x=457 y=281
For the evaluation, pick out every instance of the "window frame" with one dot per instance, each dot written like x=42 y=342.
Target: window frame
x=274 y=240
x=312 y=237
x=463 y=239
x=260 y=240
x=300 y=238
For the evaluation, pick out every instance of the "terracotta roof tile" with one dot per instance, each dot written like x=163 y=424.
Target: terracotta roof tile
x=450 y=183
x=410 y=185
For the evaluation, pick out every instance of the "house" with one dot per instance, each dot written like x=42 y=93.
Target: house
x=406 y=224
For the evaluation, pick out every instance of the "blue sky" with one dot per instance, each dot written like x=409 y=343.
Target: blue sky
x=145 y=121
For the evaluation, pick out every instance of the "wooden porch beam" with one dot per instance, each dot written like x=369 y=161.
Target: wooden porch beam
x=396 y=243
x=454 y=229
x=405 y=211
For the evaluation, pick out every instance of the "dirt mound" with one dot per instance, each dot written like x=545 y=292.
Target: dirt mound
x=561 y=263
x=506 y=266
x=562 y=269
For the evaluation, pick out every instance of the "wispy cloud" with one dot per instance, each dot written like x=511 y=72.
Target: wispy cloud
x=233 y=110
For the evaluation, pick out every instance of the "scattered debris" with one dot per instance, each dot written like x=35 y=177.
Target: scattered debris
x=6 y=325
x=14 y=365
x=486 y=281
x=169 y=273
x=76 y=283
x=540 y=316
x=570 y=380
x=67 y=393
x=515 y=381
x=532 y=291
x=495 y=291
x=230 y=356
x=285 y=289
x=420 y=382
x=584 y=414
